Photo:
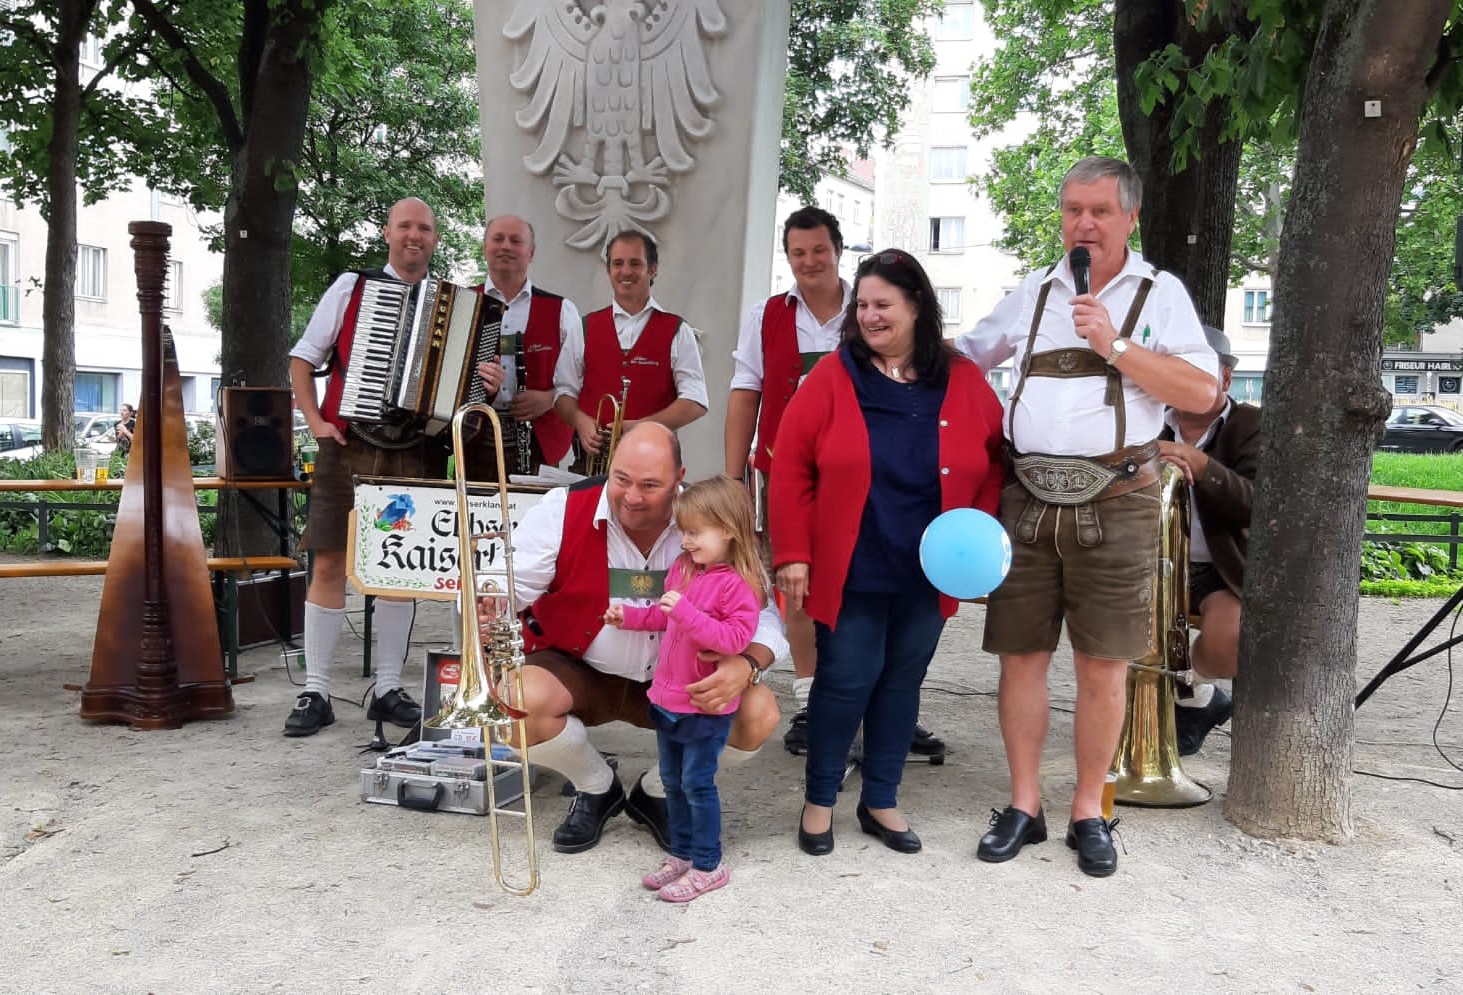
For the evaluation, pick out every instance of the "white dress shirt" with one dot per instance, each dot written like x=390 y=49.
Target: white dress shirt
x=318 y=341
x=685 y=357
x=1198 y=541
x=1068 y=416
x=515 y=320
x=628 y=654
x=813 y=336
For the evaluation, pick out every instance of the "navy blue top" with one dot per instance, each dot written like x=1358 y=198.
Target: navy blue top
x=903 y=422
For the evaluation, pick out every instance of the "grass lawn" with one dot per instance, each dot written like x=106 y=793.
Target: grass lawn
x=1440 y=472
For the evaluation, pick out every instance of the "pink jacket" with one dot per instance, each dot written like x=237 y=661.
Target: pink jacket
x=718 y=611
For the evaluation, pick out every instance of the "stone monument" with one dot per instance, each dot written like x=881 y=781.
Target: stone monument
x=658 y=115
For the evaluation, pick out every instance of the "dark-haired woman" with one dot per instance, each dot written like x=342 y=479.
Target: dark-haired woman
x=884 y=435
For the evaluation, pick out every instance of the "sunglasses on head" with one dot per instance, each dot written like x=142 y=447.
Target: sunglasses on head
x=885 y=259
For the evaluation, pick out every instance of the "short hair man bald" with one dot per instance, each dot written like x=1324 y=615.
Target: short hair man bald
x=536 y=324
x=411 y=239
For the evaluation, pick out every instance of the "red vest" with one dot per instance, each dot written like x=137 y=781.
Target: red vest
x=782 y=368
x=569 y=615
x=340 y=358
x=647 y=363
x=540 y=353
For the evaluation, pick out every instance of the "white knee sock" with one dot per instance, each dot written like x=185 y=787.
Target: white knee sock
x=733 y=757
x=801 y=688
x=571 y=754
x=651 y=782
x=322 y=632
x=392 y=622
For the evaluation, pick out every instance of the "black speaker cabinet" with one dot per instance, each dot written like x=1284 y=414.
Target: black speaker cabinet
x=255 y=434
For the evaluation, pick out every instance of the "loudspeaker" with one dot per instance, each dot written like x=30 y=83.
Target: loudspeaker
x=255 y=434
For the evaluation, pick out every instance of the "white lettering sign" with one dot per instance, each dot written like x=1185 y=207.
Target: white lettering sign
x=403 y=536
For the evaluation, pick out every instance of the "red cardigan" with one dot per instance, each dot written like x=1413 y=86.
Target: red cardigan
x=821 y=472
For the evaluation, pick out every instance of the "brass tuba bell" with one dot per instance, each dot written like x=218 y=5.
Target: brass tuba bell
x=1147 y=764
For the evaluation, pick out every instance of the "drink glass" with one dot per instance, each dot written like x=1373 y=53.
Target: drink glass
x=1109 y=795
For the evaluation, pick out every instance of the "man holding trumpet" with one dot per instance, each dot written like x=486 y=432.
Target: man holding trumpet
x=635 y=339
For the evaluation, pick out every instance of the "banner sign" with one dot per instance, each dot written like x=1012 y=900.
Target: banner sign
x=403 y=535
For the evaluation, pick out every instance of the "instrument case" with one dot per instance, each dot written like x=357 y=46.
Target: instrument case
x=439 y=777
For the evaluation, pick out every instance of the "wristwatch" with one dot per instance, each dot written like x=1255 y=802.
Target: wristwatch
x=757 y=670
x=1116 y=350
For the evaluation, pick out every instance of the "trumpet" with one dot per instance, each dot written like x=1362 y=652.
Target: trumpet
x=609 y=435
x=490 y=695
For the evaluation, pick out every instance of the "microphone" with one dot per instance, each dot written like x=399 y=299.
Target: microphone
x=1081 y=263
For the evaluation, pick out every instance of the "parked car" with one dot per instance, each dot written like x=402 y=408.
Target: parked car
x=97 y=431
x=20 y=439
x=1423 y=428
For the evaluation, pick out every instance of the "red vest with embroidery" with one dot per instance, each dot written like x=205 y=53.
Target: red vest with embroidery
x=782 y=368
x=340 y=357
x=541 y=345
x=569 y=615
x=647 y=363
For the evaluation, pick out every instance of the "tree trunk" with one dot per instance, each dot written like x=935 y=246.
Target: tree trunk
x=58 y=299
x=258 y=220
x=1186 y=222
x=1293 y=721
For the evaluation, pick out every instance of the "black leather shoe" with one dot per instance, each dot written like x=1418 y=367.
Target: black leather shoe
x=1092 y=839
x=312 y=712
x=1192 y=725
x=902 y=840
x=796 y=738
x=815 y=844
x=1010 y=831
x=586 y=820
x=651 y=813
x=396 y=707
x=926 y=744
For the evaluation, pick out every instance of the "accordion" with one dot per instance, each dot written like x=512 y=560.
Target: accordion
x=414 y=355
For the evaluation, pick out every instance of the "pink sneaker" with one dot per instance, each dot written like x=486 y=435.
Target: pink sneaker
x=694 y=884
x=670 y=870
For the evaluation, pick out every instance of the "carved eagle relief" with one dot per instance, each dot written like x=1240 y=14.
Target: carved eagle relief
x=629 y=77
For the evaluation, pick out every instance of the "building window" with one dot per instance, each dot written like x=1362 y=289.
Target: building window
x=9 y=288
x=947 y=234
x=1257 y=307
x=1405 y=386
x=173 y=292
x=5 y=145
x=91 y=52
x=947 y=165
x=96 y=391
x=951 y=94
x=91 y=272
x=14 y=390
x=1247 y=387
x=957 y=22
x=949 y=298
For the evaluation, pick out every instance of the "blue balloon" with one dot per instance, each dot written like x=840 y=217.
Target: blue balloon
x=965 y=553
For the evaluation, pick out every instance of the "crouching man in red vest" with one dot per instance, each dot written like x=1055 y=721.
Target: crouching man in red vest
x=609 y=540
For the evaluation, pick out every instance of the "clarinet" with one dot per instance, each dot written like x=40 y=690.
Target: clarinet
x=522 y=430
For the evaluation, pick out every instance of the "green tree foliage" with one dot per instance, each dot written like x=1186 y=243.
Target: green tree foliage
x=849 y=63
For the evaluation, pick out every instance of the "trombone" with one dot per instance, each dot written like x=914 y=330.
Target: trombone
x=598 y=465
x=490 y=694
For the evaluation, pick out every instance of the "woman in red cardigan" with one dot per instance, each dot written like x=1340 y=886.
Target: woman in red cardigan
x=884 y=435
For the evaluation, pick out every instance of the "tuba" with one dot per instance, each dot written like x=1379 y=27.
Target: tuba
x=609 y=435
x=1147 y=763
x=490 y=694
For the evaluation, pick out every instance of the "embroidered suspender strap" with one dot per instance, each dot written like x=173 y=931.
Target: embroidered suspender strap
x=1115 y=379
x=1026 y=359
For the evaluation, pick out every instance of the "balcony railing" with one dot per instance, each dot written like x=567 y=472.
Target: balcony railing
x=9 y=303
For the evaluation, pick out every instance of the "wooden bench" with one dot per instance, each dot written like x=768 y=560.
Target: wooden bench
x=224 y=570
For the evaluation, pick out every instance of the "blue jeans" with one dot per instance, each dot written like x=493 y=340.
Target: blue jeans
x=688 y=771
x=870 y=668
